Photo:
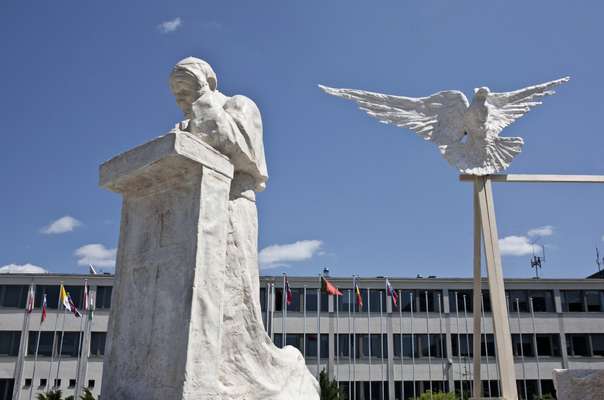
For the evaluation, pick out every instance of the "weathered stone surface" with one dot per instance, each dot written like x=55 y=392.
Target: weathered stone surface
x=579 y=384
x=185 y=319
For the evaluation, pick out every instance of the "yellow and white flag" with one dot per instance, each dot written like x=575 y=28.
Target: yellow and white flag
x=63 y=298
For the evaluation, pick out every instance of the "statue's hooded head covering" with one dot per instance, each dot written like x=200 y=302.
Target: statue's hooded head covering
x=195 y=68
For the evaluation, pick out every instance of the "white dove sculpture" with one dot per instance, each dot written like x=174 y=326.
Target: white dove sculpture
x=467 y=134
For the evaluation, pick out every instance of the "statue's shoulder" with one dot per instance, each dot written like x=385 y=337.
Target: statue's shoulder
x=242 y=104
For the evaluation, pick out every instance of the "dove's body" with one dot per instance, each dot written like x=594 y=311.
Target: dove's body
x=466 y=134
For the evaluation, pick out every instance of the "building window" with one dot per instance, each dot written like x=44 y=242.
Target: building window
x=72 y=383
x=597 y=343
x=9 y=343
x=362 y=346
x=343 y=345
x=577 y=345
x=543 y=300
x=57 y=383
x=420 y=346
x=518 y=300
x=43 y=383
x=548 y=344
x=71 y=343
x=27 y=383
x=293 y=339
x=463 y=350
x=593 y=300
x=52 y=295
x=103 y=297
x=420 y=304
x=572 y=301
x=457 y=301
x=97 y=344
x=13 y=296
x=90 y=383
x=46 y=343
x=311 y=300
x=311 y=345
x=296 y=301
x=524 y=347
x=263 y=299
x=345 y=302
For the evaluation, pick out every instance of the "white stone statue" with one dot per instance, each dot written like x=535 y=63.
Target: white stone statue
x=250 y=367
x=467 y=134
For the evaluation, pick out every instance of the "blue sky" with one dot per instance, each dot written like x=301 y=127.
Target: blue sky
x=84 y=81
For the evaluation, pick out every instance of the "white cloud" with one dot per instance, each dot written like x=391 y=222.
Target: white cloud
x=170 y=26
x=517 y=246
x=22 y=269
x=603 y=238
x=62 y=225
x=546 y=230
x=279 y=254
x=96 y=254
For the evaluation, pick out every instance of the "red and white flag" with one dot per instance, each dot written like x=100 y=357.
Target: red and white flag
x=391 y=292
x=288 y=292
x=29 y=307
x=43 y=318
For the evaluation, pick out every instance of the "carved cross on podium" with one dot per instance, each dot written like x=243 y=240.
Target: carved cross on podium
x=485 y=232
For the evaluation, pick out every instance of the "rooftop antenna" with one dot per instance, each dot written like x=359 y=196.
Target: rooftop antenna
x=599 y=261
x=537 y=261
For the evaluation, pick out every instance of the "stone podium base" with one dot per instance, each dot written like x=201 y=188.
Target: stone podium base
x=579 y=384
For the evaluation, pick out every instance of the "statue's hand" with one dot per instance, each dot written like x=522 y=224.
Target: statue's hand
x=210 y=121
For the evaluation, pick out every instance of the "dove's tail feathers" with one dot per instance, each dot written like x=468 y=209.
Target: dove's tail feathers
x=480 y=158
x=502 y=151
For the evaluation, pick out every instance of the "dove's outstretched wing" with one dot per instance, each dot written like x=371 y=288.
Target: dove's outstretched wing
x=438 y=118
x=509 y=106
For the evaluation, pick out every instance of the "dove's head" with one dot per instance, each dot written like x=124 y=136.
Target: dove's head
x=481 y=92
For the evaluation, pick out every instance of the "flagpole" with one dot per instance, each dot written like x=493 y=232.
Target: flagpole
x=521 y=349
x=428 y=335
x=412 y=346
x=284 y=313
x=536 y=349
x=61 y=345
x=349 y=344
x=369 y=337
x=319 y=325
x=33 y=375
x=440 y=339
x=461 y=383
x=354 y=339
x=23 y=341
x=337 y=366
x=273 y=307
x=267 y=308
x=382 y=343
x=83 y=307
x=304 y=334
x=465 y=311
x=54 y=338
x=400 y=316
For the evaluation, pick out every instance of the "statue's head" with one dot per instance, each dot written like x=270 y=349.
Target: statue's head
x=190 y=78
x=481 y=92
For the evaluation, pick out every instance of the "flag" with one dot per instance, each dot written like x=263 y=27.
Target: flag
x=63 y=298
x=29 y=307
x=43 y=317
x=359 y=297
x=288 y=292
x=72 y=307
x=391 y=292
x=329 y=287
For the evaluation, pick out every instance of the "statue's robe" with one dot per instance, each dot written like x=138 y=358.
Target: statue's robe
x=252 y=367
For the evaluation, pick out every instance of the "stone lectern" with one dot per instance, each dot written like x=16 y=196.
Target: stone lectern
x=185 y=320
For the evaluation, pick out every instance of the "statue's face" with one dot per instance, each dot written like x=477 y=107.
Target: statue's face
x=186 y=88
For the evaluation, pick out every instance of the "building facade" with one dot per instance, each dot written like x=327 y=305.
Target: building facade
x=377 y=350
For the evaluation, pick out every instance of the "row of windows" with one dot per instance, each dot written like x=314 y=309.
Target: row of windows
x=57 y=383
x=69 y=346
x=434 y=345
x=408 y=390
x=15 y=296
x=460 y=301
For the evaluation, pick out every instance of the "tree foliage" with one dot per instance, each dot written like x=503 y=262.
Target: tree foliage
x=329 y=389
x=428 y=395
